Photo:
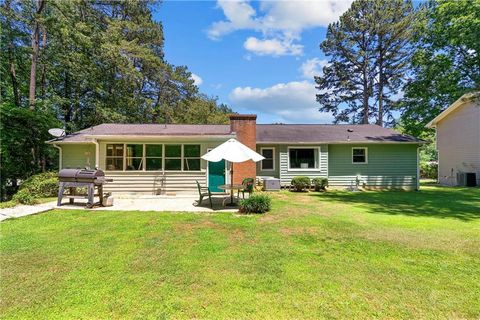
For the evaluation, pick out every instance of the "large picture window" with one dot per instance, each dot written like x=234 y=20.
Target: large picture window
x=359 y=155
x=153 y=157
x=191 y=157
x=114 y=158
x=303 y=158
x=269 y=162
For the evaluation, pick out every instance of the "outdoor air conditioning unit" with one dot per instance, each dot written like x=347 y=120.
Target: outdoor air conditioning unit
x=271 y=184
x=467 y=179
x=461 y=179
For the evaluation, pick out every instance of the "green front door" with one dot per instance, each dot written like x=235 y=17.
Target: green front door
x=216 y=175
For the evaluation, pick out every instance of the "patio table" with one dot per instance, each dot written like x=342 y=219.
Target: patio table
x=232 y=188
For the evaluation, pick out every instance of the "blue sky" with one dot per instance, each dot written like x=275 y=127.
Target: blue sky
x=257 y=57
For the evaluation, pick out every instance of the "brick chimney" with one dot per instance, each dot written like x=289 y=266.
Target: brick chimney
x=245 y=128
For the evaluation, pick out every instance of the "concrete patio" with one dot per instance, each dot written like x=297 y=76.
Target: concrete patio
x=129 y=202
x=184 y=202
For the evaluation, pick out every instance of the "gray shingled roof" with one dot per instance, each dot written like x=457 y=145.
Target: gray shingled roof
x=340 y=133
x=266 y=133
x=117 y=129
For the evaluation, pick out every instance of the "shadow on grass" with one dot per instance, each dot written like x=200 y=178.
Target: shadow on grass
x=440 y=202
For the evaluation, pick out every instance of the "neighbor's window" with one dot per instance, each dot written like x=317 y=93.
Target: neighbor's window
x=173 y=157
x=303 y=158
x=191 y=157
x=134 y=157
x=359 y=155
x=268 y=162
x=114 y=158
x=153 y=157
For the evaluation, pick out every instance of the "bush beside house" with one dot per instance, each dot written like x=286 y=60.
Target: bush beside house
x=42 y=185
x=300 y=183
x=256 y=203
x=320 y=184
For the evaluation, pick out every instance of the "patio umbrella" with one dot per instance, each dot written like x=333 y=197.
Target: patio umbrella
x=234 y=152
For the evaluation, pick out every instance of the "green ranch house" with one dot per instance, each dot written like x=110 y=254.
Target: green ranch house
x=154 y=158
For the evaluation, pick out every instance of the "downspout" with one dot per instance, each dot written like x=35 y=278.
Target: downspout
x=97 y=155
x=418 y=168
x=59 y=156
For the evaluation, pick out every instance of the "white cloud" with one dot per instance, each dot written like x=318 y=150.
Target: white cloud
x=281 y=21
x=239 y=15
x=196 y=79
x=312 y=67
x=273 y=47
x=292 y=102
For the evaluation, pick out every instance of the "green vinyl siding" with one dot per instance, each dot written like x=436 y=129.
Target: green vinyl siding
x=269 y=173
x=286 y=174
x=388 y=166
x=78 y=156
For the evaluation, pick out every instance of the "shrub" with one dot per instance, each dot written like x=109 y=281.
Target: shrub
x=24 y=197
x=320 y=184
x=429 y=169
x=41 y=185
x=256 y=203
x=300 y=183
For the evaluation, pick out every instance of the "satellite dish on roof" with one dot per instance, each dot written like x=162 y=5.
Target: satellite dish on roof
x=56 y=132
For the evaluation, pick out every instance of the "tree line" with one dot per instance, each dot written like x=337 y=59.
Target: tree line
x=78 y=63
x=390 y=60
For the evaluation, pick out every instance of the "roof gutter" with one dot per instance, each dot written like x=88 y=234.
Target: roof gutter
x=342 y=142
x=59 y=155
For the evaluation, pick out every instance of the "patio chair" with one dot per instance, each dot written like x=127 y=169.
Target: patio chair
x=248 y=185
x=204 y=192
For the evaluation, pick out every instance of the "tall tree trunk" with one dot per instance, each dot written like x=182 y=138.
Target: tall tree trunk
x=44 y=75
x=380 y=81
x=11 y=58
x=67 y=105
x=366 y=92
x=35 y=46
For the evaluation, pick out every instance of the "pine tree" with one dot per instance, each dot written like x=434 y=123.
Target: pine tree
x=369 y=50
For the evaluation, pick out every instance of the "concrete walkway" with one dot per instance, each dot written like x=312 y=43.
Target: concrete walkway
x=184 y=203
x=23 y=210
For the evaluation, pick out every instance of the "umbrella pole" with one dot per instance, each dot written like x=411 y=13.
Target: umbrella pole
x=231 y=182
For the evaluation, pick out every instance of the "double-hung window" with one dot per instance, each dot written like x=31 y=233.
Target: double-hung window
x=359 y=155
x=153 y=157
x=134 y=157
x=173 y=157
x=191 y=157
x=268 y=164
x=303 y=158
x=114 y=157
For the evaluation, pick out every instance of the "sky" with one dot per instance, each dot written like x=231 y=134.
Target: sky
x=256 y=56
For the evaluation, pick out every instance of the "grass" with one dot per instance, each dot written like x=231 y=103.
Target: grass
x=315 y=255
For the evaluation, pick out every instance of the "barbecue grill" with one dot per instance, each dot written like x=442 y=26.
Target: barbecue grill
x=81 y=178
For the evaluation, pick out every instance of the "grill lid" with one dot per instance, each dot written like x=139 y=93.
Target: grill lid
x=83 y=174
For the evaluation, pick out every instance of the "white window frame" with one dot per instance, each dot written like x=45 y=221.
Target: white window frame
x=273 y=158
x=144 y=156
x=142 y=162
x=113 y=157
x=366 y=155
x=304 y=147
x=194 y=158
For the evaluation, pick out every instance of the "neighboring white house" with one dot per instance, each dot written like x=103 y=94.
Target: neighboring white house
x=458 y=140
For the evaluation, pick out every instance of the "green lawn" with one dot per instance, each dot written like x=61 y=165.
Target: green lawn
x=332 y=255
